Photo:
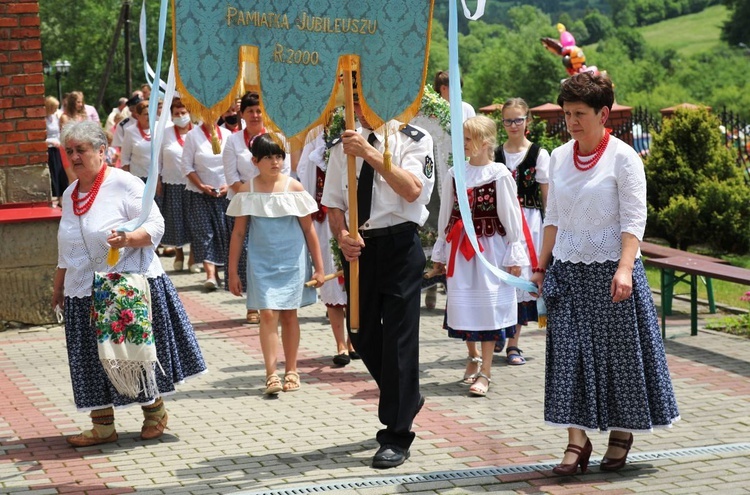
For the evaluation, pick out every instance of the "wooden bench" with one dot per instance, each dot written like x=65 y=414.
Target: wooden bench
x=655 y=251
x=695 y=267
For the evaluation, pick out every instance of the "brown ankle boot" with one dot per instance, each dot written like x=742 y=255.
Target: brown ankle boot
x=102 y=432
x=154 y=420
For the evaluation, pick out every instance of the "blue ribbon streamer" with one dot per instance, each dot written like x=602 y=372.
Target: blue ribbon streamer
x=157 y=127
x=457 y=146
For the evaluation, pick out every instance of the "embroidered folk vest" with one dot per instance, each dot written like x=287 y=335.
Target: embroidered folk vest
x=529 y=193
x=483 y=204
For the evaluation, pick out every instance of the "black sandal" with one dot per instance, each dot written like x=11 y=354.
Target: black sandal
x=515 y=359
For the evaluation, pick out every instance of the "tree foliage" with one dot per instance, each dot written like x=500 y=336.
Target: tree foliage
x=736 y=30
x=696 y=192
x=81 y=31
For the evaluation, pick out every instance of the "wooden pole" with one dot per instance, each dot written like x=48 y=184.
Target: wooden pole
x=353 y=309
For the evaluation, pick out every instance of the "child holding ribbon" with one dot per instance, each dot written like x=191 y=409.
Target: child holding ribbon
x=480 y=307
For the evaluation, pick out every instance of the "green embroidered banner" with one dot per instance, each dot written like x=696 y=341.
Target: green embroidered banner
x=296 y=45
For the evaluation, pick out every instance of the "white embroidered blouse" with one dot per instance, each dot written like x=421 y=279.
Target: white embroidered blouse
x=82 y=241
x=592 y=208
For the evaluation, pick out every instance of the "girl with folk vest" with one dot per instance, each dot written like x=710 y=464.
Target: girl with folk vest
x=480 y=307
x=529 y=165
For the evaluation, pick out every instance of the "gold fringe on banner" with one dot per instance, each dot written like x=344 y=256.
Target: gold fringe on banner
x=250 y=55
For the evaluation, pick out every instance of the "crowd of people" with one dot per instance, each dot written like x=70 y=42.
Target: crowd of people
x=569 y=222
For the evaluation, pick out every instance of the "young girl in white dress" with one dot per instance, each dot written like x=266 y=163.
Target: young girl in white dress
x=529 y=165
x=275 y=211
x=480 y=307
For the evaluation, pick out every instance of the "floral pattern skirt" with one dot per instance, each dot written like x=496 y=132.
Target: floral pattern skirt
x=176 y=347
x=606 y=364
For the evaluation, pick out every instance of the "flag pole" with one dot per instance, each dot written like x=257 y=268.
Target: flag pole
x=353 y=309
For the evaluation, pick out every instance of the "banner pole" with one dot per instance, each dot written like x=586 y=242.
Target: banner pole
x=353 y=309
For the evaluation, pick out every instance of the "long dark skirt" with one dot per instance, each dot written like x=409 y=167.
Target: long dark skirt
x=176 y=347
x=57 y=176
x=208 y=227
x=174 y=202
x=606 y=364
x=242 y=265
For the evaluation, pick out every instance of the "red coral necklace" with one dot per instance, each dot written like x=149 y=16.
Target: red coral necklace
x=584 y=165
x=83 y=204
x=144 y=135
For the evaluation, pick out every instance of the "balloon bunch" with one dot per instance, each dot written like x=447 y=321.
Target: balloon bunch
x=572 y=57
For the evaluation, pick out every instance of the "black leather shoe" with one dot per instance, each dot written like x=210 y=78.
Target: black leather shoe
x=341 y=359
x=354 y=355
x=389 y=456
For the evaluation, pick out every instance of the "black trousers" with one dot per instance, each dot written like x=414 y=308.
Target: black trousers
x=390 y=274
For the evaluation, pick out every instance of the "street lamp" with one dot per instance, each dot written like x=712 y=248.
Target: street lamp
x=61 y=68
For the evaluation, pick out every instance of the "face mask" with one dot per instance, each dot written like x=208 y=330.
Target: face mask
x=181 y=121
x=231 y=120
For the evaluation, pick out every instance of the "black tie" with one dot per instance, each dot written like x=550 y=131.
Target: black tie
x=364 y=187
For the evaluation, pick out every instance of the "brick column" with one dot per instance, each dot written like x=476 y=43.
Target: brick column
x=28 y=225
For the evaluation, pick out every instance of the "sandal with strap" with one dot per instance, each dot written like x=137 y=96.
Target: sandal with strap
x=252 y=317
x=516 y=358
x=273 y=385
x=469 y=378
x=478 y=389
x=291 y=381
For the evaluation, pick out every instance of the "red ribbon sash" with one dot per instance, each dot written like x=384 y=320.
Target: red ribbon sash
x=459 y=240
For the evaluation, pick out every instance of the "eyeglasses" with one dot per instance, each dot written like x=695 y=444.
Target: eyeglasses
x=518 y=121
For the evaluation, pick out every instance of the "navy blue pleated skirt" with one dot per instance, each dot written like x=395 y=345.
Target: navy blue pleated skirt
x=176 y=347
x=606 y=364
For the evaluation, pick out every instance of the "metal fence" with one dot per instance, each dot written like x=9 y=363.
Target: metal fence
x=638 y=129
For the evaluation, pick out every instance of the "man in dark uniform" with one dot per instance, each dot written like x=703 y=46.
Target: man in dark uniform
x=391 y=205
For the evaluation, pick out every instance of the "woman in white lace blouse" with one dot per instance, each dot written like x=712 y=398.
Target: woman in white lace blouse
x=606 y=366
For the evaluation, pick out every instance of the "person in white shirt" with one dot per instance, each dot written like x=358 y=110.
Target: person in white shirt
x=172 y=184
x=606 y=368
x=440 y=85
x=239 y=168
x=136 y=147
x=119 y=133
x=121 y=109
x=391 y=263
x=529 y=165
x=207 y=203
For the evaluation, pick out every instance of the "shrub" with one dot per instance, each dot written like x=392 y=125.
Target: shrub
x=695 y=189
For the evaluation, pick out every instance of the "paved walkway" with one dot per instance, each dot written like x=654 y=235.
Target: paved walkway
x=225 y=437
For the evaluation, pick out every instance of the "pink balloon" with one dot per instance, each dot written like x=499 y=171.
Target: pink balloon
x=567 y=39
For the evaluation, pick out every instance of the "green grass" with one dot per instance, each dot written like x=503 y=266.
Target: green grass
x=688 y=34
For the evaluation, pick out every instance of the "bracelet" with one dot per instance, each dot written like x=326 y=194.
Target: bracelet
x=539 y=269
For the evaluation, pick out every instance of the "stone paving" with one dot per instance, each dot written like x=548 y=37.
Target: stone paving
x=225 y=437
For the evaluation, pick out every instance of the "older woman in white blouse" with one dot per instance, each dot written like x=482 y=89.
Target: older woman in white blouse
x=606 y=366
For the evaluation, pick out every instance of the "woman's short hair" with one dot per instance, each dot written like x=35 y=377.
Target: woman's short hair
x=595 y=90
x=85 y=131
x=249 y=99
x=482 y=129
x=176 y=103
x=140 y=106
x=264 y=145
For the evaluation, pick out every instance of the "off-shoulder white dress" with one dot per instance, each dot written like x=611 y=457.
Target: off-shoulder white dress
x=277 y=247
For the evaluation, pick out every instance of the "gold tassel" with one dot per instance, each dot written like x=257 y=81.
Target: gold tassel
x=387 y=156
x=113 y=256
x=542 y=323
x=215 y=144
